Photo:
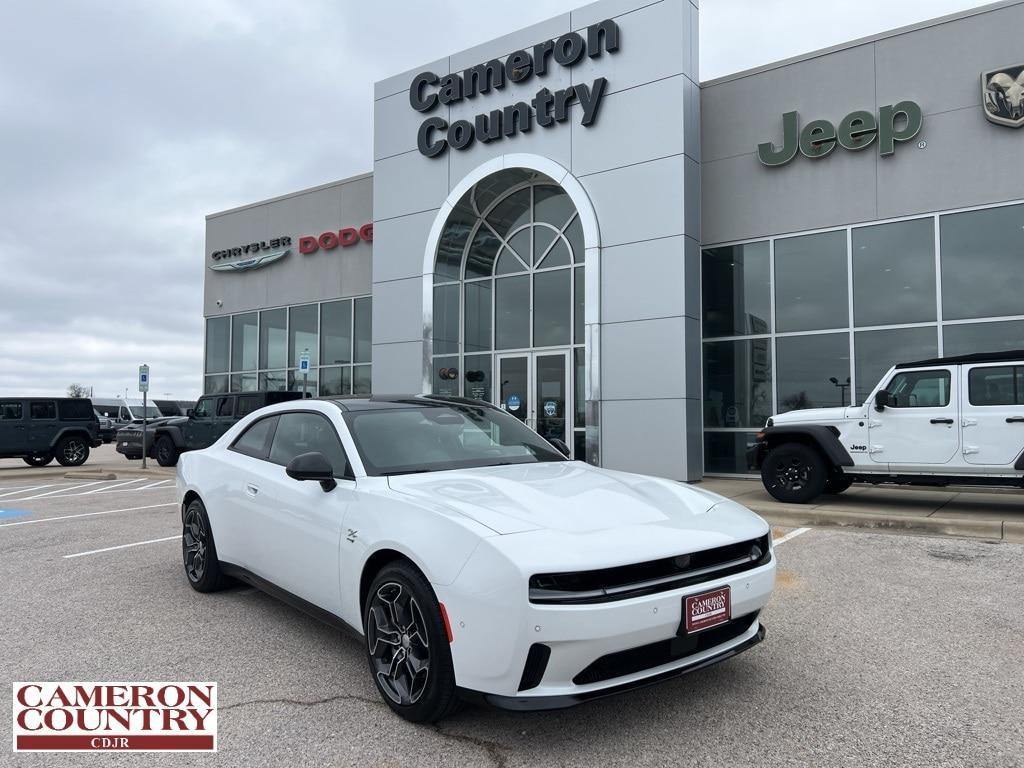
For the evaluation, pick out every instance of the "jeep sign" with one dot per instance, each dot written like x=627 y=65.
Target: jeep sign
x=856 y=131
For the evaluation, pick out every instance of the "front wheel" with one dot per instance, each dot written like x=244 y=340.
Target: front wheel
x=199 y=552
x=794 y=473
x=39 y=460
x=407 y=645
x=166 y=453
x=72 y=451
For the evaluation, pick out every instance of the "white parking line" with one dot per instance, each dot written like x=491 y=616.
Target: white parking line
x=59 y=490
x=121 y=546
x=790 y=535
x=14 y=489
x=153 y=485
x=86 y=514
x=98 y=492
x=113 y=485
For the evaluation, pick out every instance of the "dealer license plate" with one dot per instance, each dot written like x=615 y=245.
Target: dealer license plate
x=708 y=609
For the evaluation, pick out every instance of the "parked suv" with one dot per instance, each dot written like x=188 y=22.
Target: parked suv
x=946 y=421
x=211 y=418
x=40 y=429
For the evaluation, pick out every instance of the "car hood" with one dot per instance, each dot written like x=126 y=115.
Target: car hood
x=570 y=496
x=817 y=415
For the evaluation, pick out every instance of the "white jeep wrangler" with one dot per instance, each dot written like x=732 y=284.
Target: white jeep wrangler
x=947 y=421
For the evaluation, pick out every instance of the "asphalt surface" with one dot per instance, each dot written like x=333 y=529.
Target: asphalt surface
x=881 y=650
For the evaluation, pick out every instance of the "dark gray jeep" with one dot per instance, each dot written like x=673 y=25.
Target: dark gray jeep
x=41 y=429
x=212 y=417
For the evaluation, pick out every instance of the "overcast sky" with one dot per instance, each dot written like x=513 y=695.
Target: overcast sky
x=122 y=124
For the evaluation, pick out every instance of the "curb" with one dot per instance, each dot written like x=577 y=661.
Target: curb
x=100 y=473
x=933 y=526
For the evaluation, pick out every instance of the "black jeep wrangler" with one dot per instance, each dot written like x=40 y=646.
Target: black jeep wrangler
x=41 y=429
x=212 y=417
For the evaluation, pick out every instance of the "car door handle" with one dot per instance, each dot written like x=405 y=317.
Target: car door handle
x=942 y=421
x=252 y=490
x=1014 y=419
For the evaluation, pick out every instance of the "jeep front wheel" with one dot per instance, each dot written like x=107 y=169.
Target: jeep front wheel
x=166 y=453
x=794 y=473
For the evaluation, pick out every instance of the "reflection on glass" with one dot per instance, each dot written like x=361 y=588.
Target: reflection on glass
x=981 y=258
x=302 y=334
x=361 y=380
x=273 y=381
x=542 y=239
x=215 y=385
x=274 y=338
x=552 y=206
x=574 y=234
x=481 y=254
x=446 y=376
x=456 y=231
x=552 y=308
x=446 y=319
x=579 y=384
x=967 y=338
x=363 y=331
x=557 y=256
x=218 y=341
x=478 y=316
x=520 y=243
x=878 y=351
x=477 y=377
x=514 y=386
x=244 y=342
x=336 y=332
x=579 y=295
x=810 y=282
x=736 y=290
x=729 y=452
x=510 y=213
x=812 y=371
x=295 y=382
x=244 y=382
x=335 y=381
x=511 y=315
x=737 y=383
x=894 y=273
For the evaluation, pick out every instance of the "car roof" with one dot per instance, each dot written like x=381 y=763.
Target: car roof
x=351 y=403
x=975 y=357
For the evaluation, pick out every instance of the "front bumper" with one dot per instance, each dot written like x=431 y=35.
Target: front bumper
x=564 y=701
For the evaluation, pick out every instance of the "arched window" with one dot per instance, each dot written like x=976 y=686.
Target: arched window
x=508 y=302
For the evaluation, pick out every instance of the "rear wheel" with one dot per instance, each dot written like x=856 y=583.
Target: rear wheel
x=794 y=473
x=838 y=483
x=72 y=451
x=407 y=645
x=39 y=460
x=202 y=568
x=166 y=453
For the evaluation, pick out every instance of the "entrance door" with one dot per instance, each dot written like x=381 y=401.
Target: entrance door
x=534 y=387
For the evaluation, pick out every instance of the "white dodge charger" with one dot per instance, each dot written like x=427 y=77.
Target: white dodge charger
x=471 y=557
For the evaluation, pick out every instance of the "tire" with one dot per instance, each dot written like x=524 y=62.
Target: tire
x=794 y=473
x=166 y=453
x=837 y=483
x=199 y=552
x=401 y=604
x=72 y=451
x=39 y=460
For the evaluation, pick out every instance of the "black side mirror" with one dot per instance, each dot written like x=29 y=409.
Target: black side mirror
x=560 y=445
x=312 y=466
x=190 y=412
x=883 y=398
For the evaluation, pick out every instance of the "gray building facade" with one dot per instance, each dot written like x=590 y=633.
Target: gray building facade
x=566 y=223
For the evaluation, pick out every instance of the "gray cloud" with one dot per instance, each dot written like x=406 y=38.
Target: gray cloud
x=122 y=124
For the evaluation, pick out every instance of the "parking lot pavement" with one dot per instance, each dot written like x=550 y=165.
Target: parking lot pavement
x=881 y=650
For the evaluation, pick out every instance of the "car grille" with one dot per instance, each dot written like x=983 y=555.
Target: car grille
x=635 y=660
x=626 y=581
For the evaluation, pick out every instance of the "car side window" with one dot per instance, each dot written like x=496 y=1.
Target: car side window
x=920 y=389
x=299 y=433
x=202 y=409
x=1002 y=385
x=226 y=406
x=247 y=404
x=46 y=409
x=10 y=411
x=255 y=441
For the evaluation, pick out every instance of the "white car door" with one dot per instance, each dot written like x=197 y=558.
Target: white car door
x=993 y=414
x=297 y=531
x=919 y=428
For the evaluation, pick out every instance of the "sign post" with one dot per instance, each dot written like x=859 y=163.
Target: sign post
x=144 y=389
x=304 y=370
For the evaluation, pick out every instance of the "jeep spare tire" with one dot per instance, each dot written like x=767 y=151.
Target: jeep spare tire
x=794 y=473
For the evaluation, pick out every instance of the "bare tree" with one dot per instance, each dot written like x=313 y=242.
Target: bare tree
x=77 y=390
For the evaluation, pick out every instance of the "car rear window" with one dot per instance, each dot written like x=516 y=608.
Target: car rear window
x=75 y=410
x=996 y=385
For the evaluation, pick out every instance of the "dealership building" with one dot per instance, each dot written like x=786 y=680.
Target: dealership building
x=568 y=223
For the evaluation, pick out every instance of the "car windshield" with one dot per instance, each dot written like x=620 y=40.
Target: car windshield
x=435 y=437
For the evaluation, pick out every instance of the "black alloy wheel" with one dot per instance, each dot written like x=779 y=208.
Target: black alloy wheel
x=166 y=453
x=407 y=645
x=72 y=452
x=39 y=460
x=794 y=473
x=198 y=550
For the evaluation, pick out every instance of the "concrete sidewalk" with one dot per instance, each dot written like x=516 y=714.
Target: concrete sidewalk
x=985 y=514
x=103 y=461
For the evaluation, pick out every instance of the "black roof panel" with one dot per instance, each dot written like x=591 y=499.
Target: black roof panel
x=974 y=357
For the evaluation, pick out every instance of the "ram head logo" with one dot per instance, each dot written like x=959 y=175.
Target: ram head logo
x=1002 y=93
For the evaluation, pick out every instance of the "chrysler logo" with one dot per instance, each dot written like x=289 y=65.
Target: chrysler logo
x=1002 y=95
x=251 y=263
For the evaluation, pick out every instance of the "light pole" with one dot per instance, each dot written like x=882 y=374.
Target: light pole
x=843 y=386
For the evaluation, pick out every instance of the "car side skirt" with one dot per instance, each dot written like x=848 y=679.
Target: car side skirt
x=541 y=703
x=318 y=613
